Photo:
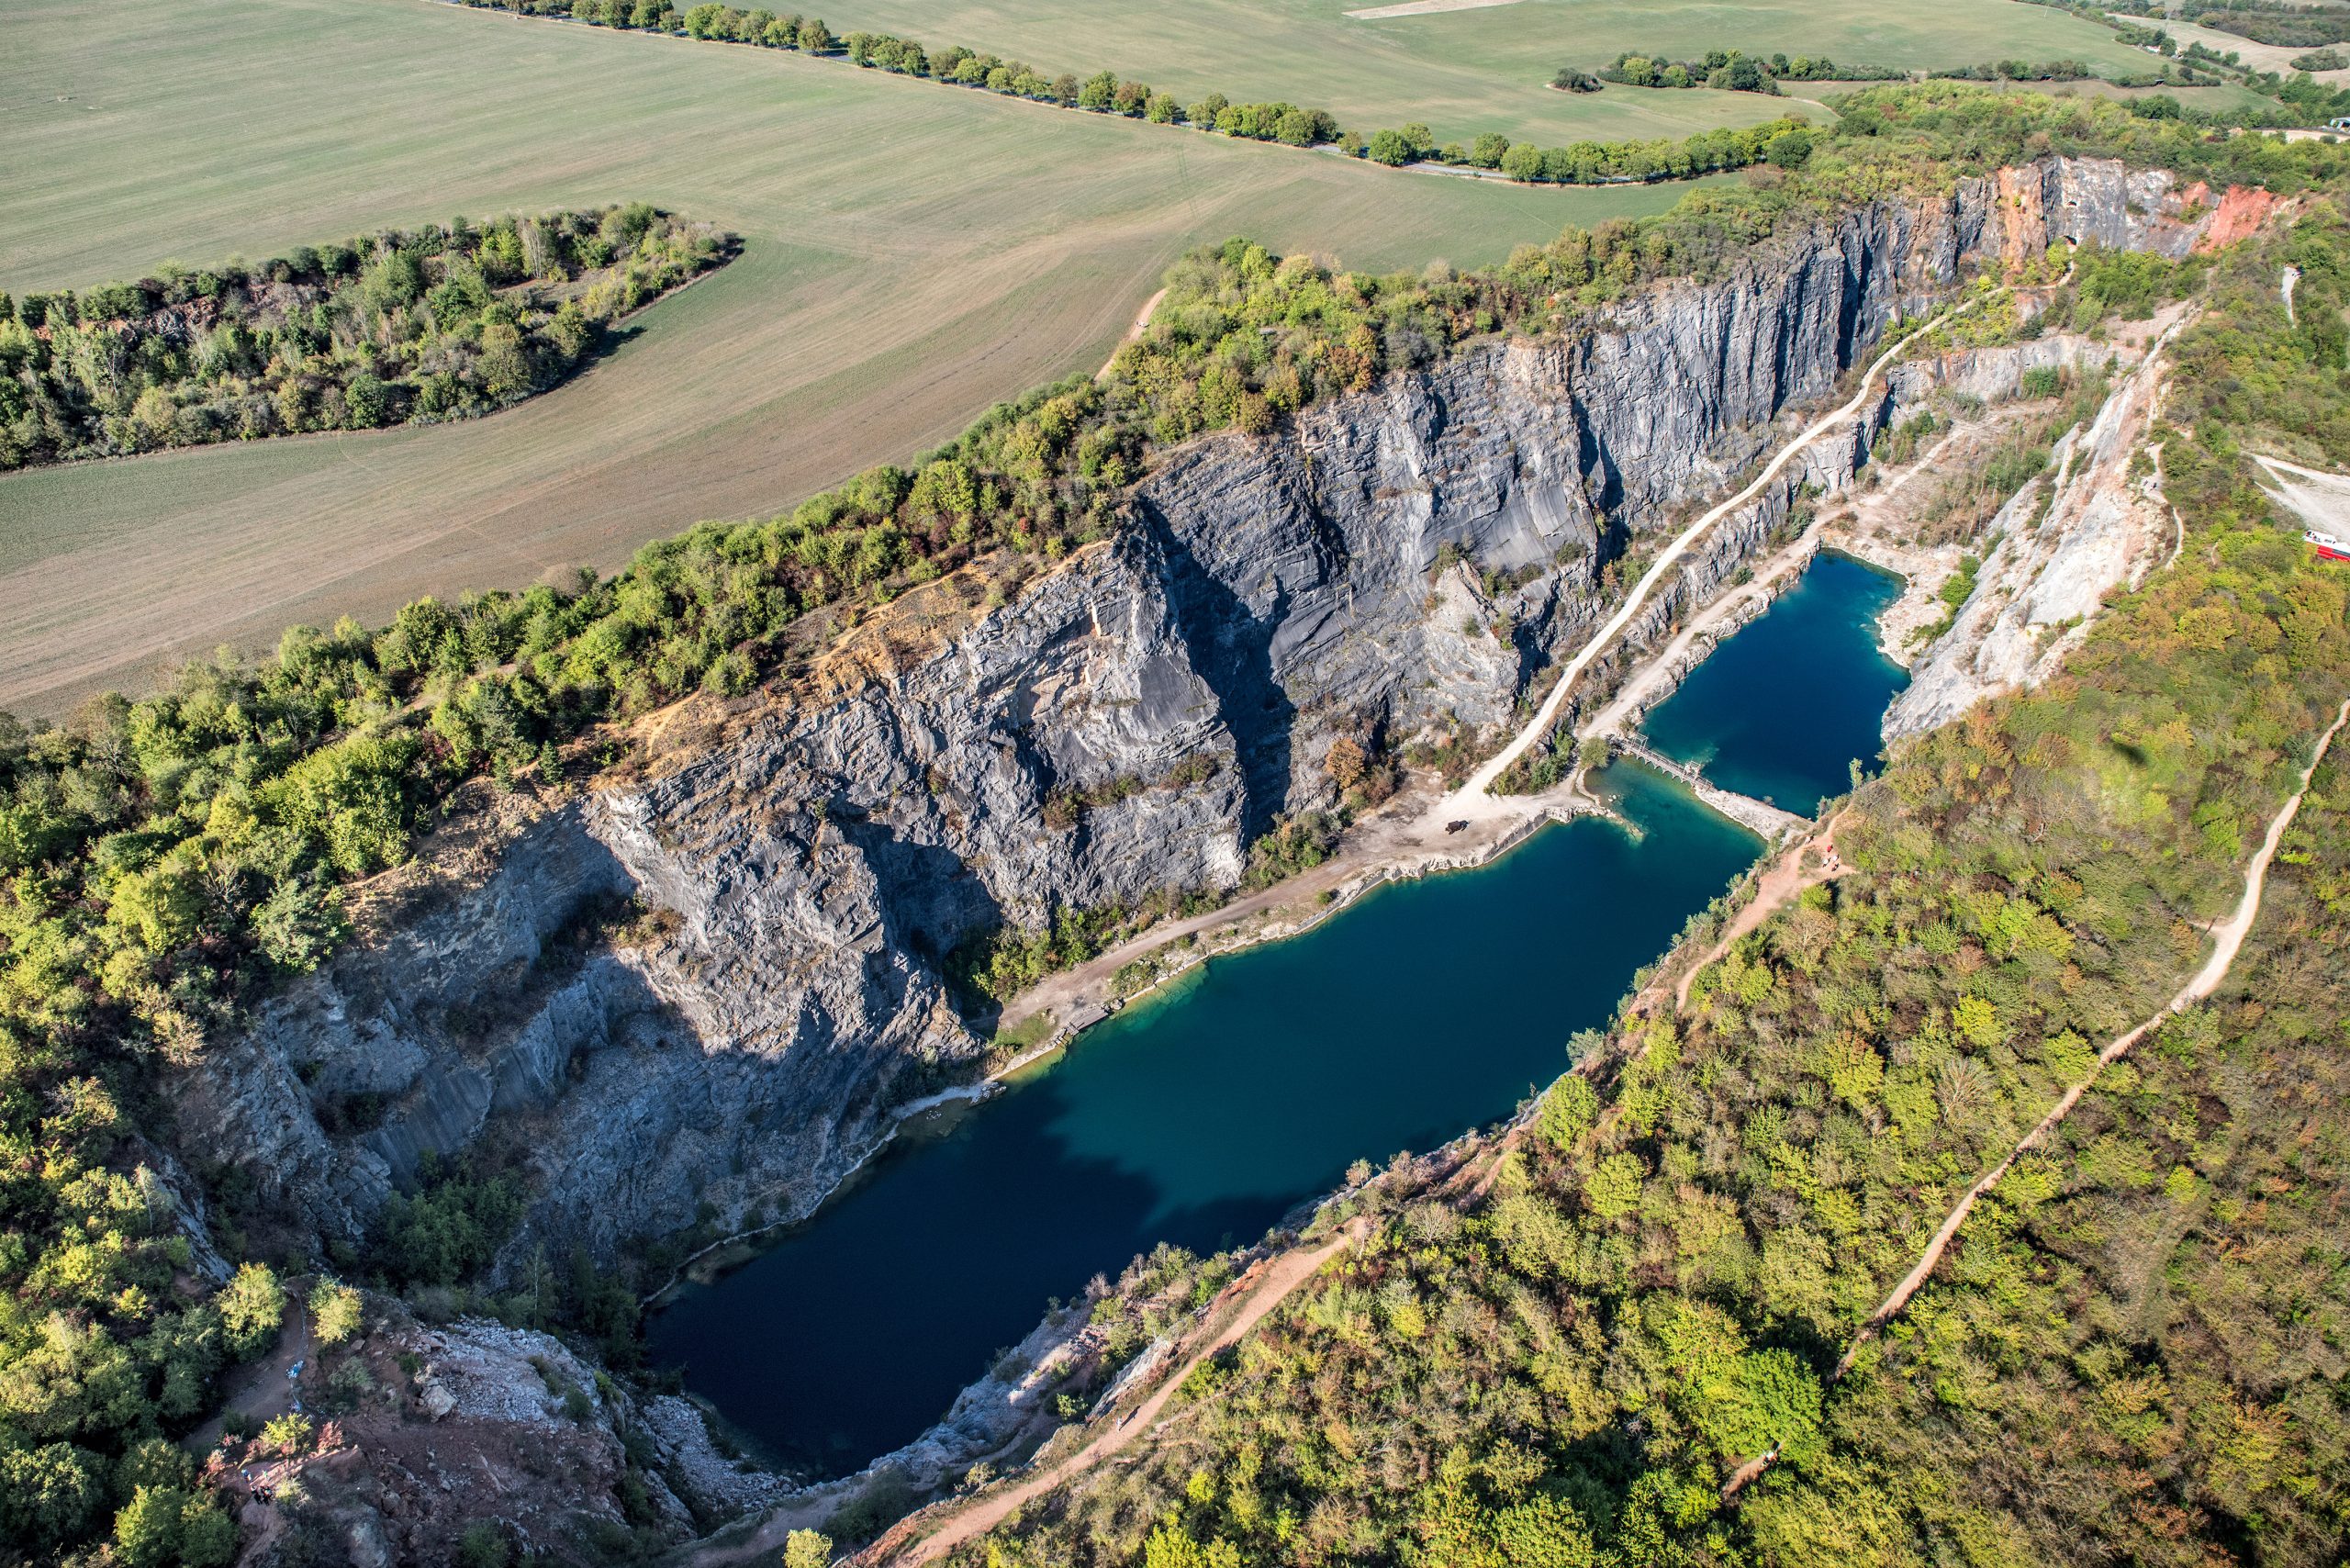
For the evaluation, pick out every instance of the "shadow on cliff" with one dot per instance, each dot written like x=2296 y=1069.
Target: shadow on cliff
x=855 y=1331
x=1232 y=648
x=931 y=899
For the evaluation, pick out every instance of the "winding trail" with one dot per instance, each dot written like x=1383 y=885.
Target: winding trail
x=1141 y=321
x=1475 y=796
x=264 y=1388
x=1799 y=866
x=2228 y=940
x=1281 y=1279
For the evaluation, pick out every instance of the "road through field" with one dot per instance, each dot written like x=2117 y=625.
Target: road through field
x=914 y=253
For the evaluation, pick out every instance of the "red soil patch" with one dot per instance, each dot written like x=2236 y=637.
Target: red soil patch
x=2241 y=212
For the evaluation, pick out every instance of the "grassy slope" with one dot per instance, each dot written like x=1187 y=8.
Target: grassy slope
x=913 y=253
x=1465 y=72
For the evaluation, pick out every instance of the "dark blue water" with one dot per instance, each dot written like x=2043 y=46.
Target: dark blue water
x=1784 y=709
x=1197 y=1117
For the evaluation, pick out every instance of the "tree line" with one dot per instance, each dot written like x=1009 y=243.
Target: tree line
x=1735 y=70
x=398 y=327
x=1786 y=142
x=1100 y=92
x=168 y=860
x=2068 y=70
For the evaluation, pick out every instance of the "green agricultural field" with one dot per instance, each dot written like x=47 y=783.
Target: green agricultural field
x=913 y=253
x=1486 y=67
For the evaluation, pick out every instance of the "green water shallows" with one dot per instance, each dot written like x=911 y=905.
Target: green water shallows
x=1197 y=1118
x=1785 y=706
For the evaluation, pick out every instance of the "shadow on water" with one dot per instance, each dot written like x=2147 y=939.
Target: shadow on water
x=1785 y=706
x=1197 y=1119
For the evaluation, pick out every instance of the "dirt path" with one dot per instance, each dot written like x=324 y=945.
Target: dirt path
x=1474 y=794
x=1647 y=685
x=1795 y=870
x=2228 y=940
x=1142 y=321
x=1282 y=1278
x=2177 y=523
x=266 y=1387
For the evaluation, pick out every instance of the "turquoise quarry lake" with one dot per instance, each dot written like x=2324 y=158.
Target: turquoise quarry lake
x=1784 y=707
x=1201 y=1115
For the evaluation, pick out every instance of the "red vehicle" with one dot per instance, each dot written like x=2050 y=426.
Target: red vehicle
x=2328 y=547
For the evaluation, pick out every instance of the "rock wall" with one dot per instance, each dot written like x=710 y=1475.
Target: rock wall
x=2063 y=542
x=428 y=1428
x=1390 y=562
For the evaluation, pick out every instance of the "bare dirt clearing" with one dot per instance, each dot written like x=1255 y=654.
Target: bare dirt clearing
x=2317 y=497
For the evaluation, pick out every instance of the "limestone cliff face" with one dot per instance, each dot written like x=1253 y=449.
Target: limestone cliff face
x=2060 y=547
x=2024 y=211
x=1389 y=563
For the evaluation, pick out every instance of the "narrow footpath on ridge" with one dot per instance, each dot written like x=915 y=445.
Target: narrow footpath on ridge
x=2227 y=941
x=1799 y=867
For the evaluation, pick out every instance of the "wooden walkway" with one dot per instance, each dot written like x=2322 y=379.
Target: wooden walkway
x=1758 y=816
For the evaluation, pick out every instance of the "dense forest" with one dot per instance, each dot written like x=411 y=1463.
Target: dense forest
x=2133 y=1354
x=166 y=860
x=390 y=327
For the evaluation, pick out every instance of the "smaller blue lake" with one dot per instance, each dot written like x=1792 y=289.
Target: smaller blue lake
x=1784 y=707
